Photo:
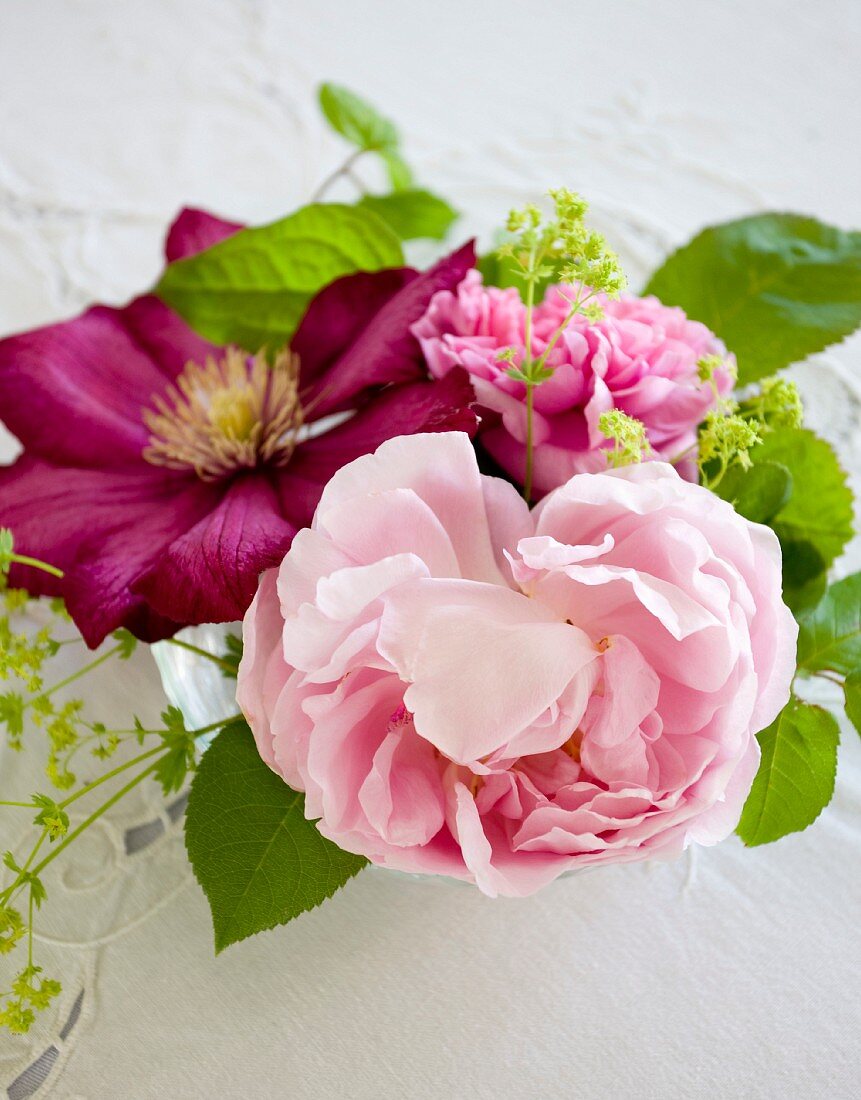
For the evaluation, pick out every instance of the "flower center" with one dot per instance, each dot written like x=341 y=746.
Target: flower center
x=230 y=414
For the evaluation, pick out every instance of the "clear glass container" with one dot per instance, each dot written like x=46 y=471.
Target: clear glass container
x=194 y=684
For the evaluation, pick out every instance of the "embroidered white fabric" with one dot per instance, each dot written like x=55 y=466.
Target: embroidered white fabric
x=727 y=974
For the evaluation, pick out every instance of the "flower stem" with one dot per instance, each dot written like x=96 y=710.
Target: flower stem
x=81 y=672
x=94 y=816
x=530 y=447
x=343 y=170
x=110 y=775
x=22 y=559
x=225 y=665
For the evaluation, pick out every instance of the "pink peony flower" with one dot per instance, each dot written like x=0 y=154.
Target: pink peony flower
x=641 y=358
x=463 y=687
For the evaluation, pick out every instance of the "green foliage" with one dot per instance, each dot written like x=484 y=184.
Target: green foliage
x=795 y=780
x=758 y=493
x=725 y=440
x=51 y=816
x=830 y=634
x=179 y=759
x=412 y=213
x=259 y=860
x=356 y=120
x=7 y=545
x=852 y=695
x=231 y=656
x=775 y=287
x=363 y=126
x=630 y=443
x=816 y=521
x=127 y=643
x=252 y=289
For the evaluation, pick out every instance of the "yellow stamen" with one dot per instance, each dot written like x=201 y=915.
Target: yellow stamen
x=229 y=414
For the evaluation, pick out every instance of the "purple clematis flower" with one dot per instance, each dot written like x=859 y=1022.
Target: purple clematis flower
x=164 y=474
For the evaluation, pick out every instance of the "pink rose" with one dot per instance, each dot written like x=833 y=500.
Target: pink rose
x=465 y=687
x=641 y=358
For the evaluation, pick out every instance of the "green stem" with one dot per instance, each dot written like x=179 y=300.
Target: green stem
x=336 y=175
x=94 y=816
x=530 y=446
x=110 y=775
x=27 y=805
x=81 y=672
x=22 y=559
x=10 y=890
x=203 y=653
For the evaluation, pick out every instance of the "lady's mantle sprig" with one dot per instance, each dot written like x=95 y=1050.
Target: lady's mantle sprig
x=23 y=658
x=564 y=249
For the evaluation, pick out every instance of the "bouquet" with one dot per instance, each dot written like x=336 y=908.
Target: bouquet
x=533 y=572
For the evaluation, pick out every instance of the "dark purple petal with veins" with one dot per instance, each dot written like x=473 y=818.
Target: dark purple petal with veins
x=74 y=392
x=336 y=317
x=103 y=528
x=210 y=573
x=194 y=231
x=384 y=350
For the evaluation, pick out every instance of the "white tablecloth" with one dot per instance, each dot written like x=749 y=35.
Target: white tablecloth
x=732 y=973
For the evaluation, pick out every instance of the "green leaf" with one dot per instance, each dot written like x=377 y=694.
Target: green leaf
x=819 y=511
x=399 y=172
x=795 y=780
x=127 y=641
x=252 y=288
x=830 y=635
x=502 y=271
x=259 y=860
x=805 y=576
x=775 y=287
x=356 y=120
x=759 y=493
x=413 y=213
x=172 y=768
x=852 y=693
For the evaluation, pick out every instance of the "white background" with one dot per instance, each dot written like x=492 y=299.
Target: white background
x=732 y=973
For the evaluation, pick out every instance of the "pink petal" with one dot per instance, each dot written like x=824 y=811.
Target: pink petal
x=401 y=410
x=482 y=662
x=402 y=795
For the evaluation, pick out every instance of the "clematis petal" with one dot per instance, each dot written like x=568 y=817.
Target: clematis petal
x=194 y=231
x=338 y=315
x=401 y=410
x=385 y=350
x=74 y=392
x=104 y=528
x=210 y=573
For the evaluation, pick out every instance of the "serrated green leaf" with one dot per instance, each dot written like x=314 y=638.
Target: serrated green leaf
x=252 y=288
x=775 y=287
x=852 y=693
x=820 y=509
x=805 y=576
x=259 y=860
x=759 y=493
x=830 y=635
x=795 y=779
x=412 y=214
x=356 y=119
